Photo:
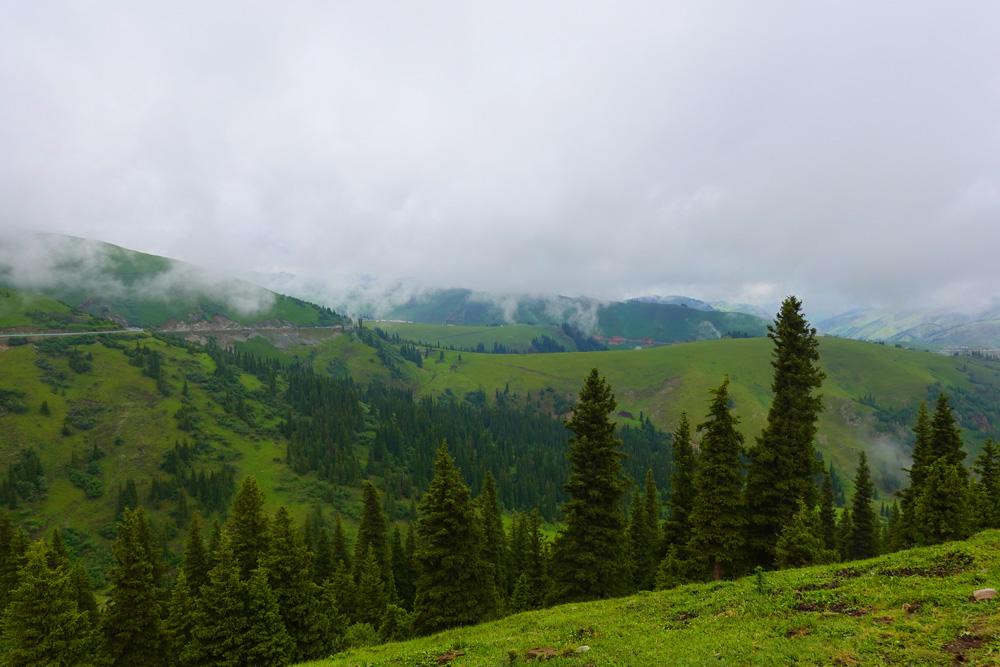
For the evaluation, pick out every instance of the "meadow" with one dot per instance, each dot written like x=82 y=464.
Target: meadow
x=912 y=608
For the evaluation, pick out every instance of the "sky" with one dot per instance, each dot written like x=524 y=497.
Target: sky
x=846 y=152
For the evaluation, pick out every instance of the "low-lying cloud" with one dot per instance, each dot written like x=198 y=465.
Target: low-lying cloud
x=49 y=263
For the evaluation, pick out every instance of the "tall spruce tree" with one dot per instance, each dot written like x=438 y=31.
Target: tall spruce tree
x=827 y=515
x=403 y=573
x=372 y=599
x=131 y=625
x=248 y=526
x=588 y=555
x=921 y=461
x=801 y=542
x=941 y=510
x=643 y=534
x=864 y=530
x=782 y=462
x=289 y=576
x=180 y=622
x=934 y=507
x=339 y=547
x=495 y=552
x=373 y=531
x=717 y=522
x=454 y=586
x=677 y=528
x=195 y=561
x=987 y=466
x=42 y=624
x=13 y=552
x=237 y=621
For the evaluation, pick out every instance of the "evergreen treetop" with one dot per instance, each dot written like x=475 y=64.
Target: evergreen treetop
x=588 y=555
x=717 y=522
x=864 y=531
x=454 y=586
x=783 y=462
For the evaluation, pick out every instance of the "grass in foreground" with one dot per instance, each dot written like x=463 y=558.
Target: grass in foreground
x=912 y=608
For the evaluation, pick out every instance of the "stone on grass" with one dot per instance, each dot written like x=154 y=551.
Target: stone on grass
x=984 y=593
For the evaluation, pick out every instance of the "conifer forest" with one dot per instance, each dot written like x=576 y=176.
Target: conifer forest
x=471 y=510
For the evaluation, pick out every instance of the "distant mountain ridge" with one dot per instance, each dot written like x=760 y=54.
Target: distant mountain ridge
x=636 y=322
x=944 y=328
x=139 y=289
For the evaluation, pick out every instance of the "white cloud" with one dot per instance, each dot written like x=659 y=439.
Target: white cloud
x=845 y=152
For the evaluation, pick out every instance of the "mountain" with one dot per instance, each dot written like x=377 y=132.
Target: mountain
x=635 y=323
x=137 y=289
x=939 y=328
x=674 y=300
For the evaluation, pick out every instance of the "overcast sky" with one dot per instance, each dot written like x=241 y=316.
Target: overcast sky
x=847 y=152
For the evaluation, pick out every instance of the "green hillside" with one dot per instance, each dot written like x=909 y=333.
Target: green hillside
x=67 y=399
x=145 y=290
x=908 y=608
x=650 y=323
x=24 y=312
x=631 y=324
x=513 y=336
x=870 y=395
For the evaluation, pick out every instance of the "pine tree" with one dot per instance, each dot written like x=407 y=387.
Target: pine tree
x=289 y=577
x=181 y=619
x=800 y=543
x=57 y=554
x=323 y=562
x=716 y=520
x=373 y=531
x=928 y=517
x=495 y=552
x=248 y=526
x=237 y=622
x=13 y=551
x=195 y=562
x=864 y=531
x=941 y=510
x=402 y=571
x=339 y=546
x=588 y=555
x=42 y=625
x=643 y=534
x=946 y=437
x=372 y=599
x=677 y=529
x=782 y=463
x=84 y=594
x=845 y=526
x=453 y=584
x=827 y=515
x=341 y=589
x=988 y=468
x=133 y=634
x=895 y=539
x=921 y=457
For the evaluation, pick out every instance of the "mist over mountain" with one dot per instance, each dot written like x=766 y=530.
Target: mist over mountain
x=135 y=288
x=934 y=327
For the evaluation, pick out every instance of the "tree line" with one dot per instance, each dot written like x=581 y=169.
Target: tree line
x=261 y=591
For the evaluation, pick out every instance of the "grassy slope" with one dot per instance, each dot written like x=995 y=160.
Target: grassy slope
x=662 y=323
x=672 y=323
x=512 y=335
x=25 y=310
x=132 y=409
x=128 y=271
x=662 y=382
x=858 y=620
